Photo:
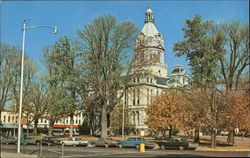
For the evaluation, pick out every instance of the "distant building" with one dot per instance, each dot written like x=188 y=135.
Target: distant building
x=9 y=121
x=152 y=77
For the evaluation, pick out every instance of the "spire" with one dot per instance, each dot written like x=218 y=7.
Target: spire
x=149 y=16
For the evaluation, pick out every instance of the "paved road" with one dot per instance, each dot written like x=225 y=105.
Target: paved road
x=124 y=152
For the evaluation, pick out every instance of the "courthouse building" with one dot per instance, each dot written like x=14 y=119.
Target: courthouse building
x=152 y=76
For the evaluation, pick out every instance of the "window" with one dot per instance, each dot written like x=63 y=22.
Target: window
x=16 y=118
x=138 y=79
x=151 y=80
x=67 y=121
x=138 y=118
x=134 y=97
x=13 y=118
x=148 y=96
x=4 y=118
x=138 y=96
x=8 y=118
x=147 y=79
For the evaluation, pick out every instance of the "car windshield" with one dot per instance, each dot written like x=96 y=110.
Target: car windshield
x=78 y=139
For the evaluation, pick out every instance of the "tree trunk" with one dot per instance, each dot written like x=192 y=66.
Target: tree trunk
x=213 y=138
x=197 y=136
x=170 y=131
x=71 y=125
x=50 y=128
x=35 y=126
x=230 y=138
x=104 y=122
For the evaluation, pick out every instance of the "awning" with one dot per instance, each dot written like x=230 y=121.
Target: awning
x=65 y=126
x=8 y=126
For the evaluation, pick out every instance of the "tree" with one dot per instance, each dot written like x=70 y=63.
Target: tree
x=203 y=50
x=8 y=64
x=38 y=103
x=236 y=59
x=238 y=111
x=165 y=112
x=117 y=119
x=207 y=110
x=58 y=97
x=106 y=44
x=68 y=74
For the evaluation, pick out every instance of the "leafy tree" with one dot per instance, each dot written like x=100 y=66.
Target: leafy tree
x=207 y=109
x=236 y=59
x=165 y=112
x=117 y=119
x=106 y=44
x=203 y=50
x=58 y=98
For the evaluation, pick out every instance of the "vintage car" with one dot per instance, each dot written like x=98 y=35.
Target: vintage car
x=49 y=141
x=74 y=142
x=177 y=143
x=106 y=142
x=135 y=142
x=27 y=141
x=8 y=141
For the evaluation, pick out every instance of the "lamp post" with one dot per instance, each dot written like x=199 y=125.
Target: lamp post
x=21 y=86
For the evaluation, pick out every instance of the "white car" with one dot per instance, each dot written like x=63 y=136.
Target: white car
x=74 y=141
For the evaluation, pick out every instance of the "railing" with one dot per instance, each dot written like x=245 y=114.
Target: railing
x=40 y=149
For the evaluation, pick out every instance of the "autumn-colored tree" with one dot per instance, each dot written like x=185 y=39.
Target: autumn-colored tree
x=239 y=111
x=165 y=112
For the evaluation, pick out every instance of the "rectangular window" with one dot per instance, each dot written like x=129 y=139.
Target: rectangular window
x=151 y=95
x=4 y=118
x=8 y=118
x=138 y=96
x=134 y=97
x=147 y=96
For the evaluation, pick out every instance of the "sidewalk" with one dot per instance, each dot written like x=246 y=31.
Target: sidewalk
x=222 y=149
x=15 y=155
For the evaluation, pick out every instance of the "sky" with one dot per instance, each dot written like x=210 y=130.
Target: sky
x=68 y=16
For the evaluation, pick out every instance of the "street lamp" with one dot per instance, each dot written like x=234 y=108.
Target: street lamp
x=21 y=86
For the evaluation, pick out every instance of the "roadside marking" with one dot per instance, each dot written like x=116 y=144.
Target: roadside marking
x=210 y=149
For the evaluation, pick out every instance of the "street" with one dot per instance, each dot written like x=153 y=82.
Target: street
x=120 y=152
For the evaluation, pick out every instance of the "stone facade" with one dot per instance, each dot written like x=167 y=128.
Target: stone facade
x=151 y=73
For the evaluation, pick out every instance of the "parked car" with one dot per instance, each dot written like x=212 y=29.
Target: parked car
x=135 y=142
x=49 y=141
x=27 y=141
x=8 y=141
x=74 y=141
x=177 y=143
x=106 y=142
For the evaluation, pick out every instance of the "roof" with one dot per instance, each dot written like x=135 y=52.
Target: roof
x=149 y=29
x=149 y=10
x=161 y=81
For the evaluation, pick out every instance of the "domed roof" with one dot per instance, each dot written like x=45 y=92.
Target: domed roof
x=149 y=28
x=149 y=10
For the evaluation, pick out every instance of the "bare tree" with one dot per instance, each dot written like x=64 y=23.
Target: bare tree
x=106 y=44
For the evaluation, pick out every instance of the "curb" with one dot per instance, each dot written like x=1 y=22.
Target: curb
x=211 y=149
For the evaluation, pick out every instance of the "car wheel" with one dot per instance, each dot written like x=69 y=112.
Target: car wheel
x=162 y=147
x=74 y=145
x=137 y=146
x=106 y=145
x=181 y=147
x=120 y=146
